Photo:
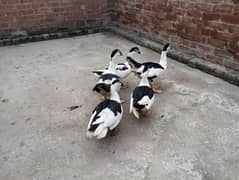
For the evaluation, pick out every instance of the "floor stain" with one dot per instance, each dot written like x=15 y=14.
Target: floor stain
x=13 y=123
x=72 y=108
x=4 y=100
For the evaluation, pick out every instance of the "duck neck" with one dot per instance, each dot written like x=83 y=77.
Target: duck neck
x=163 y=59
x=144 y=81
x=114 y=95
x=131 y=54
x=112 y=65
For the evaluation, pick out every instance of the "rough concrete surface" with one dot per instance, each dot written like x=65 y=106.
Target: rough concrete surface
x=193 y=132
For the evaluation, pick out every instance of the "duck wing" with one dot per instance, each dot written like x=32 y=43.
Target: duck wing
x=106 y=113
x=121 y=67
x=151 y=65
x=108 y=78
x=99 y=72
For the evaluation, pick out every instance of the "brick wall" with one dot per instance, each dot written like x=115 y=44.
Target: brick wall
x=207 y=28
x=49 y=15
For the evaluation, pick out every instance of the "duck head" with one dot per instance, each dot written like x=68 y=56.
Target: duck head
x=167 y=47
x=134 y=50
x=116 y=53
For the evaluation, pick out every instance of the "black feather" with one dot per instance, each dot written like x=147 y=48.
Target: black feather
x=98 y=72
x=116 y=81
x=109 y=76
x=123 y=68
x=136 y=49
x=114 y=52
x=151 y=78
x=149 y=65
x=139 y=92
x=134 y=63
x=166 y=47
x=101 y=87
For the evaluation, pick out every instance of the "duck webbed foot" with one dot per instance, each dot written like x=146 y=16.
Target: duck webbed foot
x=104 y=96
x=114 y=131
x=155 y=87
x=146 y=112
x=122 y=101
x=124 y=85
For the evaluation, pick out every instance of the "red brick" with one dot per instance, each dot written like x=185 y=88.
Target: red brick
x=232 y=19
x=236 y=10
x=174 y=3
x=211 y=16
x=224 y=36
x=217 y=42
x=192 y=34
x=180 y=12
x=217 y=26
x=233 y=29
x=207 y=32
x=223 y=8
x=194 y=13
x=204 y=7
x=188 y=5
x=162 y=2
x=189 y=43
x=234 y=47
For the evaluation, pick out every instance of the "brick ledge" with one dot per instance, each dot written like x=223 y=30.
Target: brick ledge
x=51 y=35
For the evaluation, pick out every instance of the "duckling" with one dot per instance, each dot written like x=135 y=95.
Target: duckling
x=154 y=69
x=108 y=76
x=122 y=69
x=107 y=115
x=142 y=98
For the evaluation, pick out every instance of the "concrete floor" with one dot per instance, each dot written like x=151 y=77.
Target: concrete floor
x=193 y=133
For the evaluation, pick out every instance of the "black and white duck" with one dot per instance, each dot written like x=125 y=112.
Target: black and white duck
x=108 y=76
x=142 y=98
x=122 y=69
x=107 y=115
x=154 y=69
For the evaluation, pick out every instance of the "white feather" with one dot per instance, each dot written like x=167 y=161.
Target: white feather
x=97 y=72
x=140 y=69
x=101 y=131
x=154 y=72
x=107 y=120
x=107 y=81
x=131 y=104
x=91 y=118
x=121 y=73
x=136 y=113
x=150 y=103
x=144 y=100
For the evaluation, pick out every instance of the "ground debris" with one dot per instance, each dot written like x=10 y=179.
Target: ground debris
x=4 y=100
x=72 y=108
